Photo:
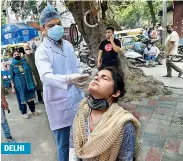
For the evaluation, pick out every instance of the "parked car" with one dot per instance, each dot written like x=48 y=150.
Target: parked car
x=130 y=40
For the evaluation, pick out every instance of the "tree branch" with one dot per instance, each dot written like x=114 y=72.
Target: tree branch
x=150 y=3
x=104 y=9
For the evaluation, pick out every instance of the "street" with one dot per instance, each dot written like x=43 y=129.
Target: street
x=160 y=70
x=34 y=130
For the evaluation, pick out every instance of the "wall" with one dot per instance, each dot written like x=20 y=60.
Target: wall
x=169 y=18
x=178 y=17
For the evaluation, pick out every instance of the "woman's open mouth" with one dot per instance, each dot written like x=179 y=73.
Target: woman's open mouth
x=94 y=83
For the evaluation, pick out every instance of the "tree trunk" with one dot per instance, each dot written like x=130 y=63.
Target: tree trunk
x=138 y=84
x=150 y=3
x=104 y=9
x=92 y=36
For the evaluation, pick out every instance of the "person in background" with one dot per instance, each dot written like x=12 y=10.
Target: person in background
x=23 y=84
x=102 y=130
x=58 y=68
x=108 y=50
x=4 y=122
x=6 y=67
x=138 y=47
x=6 y=78
x=30 y=57
x=160 y=33
x=5 y=53
x=150 y=31
x=145 y=33
x=34 y=47
x=171 y=47
x=150 y=54
x=154 y=33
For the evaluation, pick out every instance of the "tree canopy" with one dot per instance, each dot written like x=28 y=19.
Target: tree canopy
x=25 y=8
x=3 y=19
x=137 y=13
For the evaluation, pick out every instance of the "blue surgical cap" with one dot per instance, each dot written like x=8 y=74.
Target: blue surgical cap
x=47 y=14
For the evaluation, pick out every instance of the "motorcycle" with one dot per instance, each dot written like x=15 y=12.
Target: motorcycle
x=179 y=57
x=91 y=62
x=137 y=58
x=85 y=56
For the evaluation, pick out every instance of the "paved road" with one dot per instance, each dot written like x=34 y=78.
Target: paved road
x=161 y=126
x=160 y=70
x=34 y=130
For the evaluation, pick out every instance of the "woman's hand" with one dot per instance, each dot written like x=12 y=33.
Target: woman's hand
x=13 y=90
x=35 y=83
x=4 y=104
x=34 y=79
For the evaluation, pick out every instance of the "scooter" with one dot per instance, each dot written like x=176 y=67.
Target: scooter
x=136 y=58
x=91 y=62
x=179 y=57
x=85 y=56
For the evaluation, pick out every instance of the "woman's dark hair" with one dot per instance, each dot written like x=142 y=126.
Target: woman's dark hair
x=14 y=52
x=118 y=81
x=21 y=50
x=110 y=28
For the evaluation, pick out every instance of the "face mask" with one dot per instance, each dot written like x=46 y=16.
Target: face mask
x=169 y=31
x=56 y=32
x=97 y=104
x=17 y=58
x=28 y=52
x=149 y=46
x=110 y=36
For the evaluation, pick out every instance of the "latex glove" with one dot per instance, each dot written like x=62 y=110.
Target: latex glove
x=79 y=80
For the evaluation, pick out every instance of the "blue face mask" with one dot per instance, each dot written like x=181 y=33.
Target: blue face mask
x=56 y=32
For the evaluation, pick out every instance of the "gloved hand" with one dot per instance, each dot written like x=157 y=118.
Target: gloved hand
x=79 y=80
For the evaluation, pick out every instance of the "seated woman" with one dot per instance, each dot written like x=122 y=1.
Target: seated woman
x=150 y=54
x=23 y=83
x=102 y=130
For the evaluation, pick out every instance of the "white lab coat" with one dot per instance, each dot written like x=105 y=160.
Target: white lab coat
x=54 y=65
